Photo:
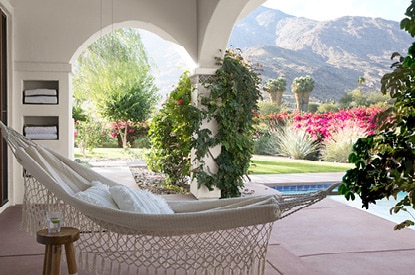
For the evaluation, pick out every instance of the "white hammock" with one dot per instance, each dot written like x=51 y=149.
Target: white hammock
x=226 y=236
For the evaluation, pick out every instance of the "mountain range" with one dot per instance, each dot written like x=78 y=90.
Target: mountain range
x=334 y=53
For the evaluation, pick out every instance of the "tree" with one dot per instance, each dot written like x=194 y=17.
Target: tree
x=361 y=80
x=384 y=162
x=114 y=75
x=275 y=88
x=302 y=87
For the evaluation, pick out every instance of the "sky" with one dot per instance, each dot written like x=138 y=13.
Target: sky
x=331 y=9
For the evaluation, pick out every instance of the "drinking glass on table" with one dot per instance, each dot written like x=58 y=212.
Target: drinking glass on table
x=53 y=219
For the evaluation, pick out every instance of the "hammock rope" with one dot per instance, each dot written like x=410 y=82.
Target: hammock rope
x=226 y=236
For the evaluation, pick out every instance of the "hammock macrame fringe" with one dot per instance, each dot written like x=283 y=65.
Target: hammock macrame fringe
x=228 y=236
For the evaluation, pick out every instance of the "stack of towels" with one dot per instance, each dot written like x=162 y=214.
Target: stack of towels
x=40 y=96
x=41 y=132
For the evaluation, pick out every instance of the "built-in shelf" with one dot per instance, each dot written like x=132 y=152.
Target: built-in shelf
x=41 y=127
x=40 y=92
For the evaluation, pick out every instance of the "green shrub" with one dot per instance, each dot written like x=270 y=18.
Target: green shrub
x=264 y=143
x=313 y=107
x=89 y=135
x=327 y=108
x=142 y=142
x=358 y=98
x=170 y=132
x=267 y=108
x=296 y=143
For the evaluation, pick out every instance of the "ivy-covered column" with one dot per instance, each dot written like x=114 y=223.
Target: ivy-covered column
x=209 y=127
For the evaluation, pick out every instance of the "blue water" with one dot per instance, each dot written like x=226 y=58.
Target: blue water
x=380 y=209
x=296 y=189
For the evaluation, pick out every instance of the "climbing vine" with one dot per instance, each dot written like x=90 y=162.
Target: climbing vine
x=170 y=132
x=234 y=93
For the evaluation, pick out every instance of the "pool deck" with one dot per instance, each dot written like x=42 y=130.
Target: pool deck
x=327 y=238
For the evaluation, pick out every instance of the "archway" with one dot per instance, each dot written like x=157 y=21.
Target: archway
x=47 y=41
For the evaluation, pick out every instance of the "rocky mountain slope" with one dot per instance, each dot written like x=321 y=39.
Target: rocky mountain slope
x=334 y=53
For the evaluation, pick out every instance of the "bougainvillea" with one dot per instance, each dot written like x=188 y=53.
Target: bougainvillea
x=322 y=126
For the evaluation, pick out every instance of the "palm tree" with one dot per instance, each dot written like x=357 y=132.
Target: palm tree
x=275 y=88
x=302 y=87
x=361 y=81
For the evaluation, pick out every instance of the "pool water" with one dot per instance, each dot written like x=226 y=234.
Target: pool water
x=297 y=189
x=380 y=209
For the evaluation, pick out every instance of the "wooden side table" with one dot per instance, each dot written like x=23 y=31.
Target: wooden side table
x=53 y=250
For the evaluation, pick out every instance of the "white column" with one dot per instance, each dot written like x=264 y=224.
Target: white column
x=210 y=166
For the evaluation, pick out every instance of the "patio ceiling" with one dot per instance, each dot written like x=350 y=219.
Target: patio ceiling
x=50 y=31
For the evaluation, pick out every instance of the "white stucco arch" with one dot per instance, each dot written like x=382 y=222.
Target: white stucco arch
x=48 y=36
x=138 y=25
x=217 y=27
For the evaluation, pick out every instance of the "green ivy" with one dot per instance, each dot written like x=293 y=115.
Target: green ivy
x=234 y=93
x=170 y=132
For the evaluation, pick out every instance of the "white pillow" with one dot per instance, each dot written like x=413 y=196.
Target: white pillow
x=141 y=201
x=98 y=194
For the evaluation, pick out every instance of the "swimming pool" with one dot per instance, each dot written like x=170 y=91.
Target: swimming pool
x=296 y=189
x=380 y=209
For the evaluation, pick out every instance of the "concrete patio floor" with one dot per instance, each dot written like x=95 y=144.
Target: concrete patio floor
x=326 y=238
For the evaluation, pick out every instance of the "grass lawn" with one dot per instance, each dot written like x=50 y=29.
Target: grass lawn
x=260 y=165
x=266 y=165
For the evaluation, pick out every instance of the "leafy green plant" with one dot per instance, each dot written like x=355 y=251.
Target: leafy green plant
x=357 y=98
x=234 y=92
x=268 y=108
x=296 y=143
x=170 y=132
x=384 y=162
x=264 y=142
x=89 y=135
x=328 y=107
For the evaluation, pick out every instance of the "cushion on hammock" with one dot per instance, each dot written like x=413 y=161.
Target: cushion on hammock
x=141 y=201
x=98 y=194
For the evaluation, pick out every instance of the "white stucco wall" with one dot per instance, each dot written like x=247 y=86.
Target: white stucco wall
x=46 y=36
x=51 y=31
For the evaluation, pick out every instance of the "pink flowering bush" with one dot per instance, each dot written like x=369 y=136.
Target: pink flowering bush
x=322 y=126
x=89 y=135
x=325 y=128
x=126 y=130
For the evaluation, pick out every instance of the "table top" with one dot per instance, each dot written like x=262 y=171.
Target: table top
x=65 y=236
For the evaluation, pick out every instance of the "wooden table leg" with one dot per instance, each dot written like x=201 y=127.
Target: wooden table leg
x=53 y=250
x=47 y=260
x=56 y=259
x=70 y=258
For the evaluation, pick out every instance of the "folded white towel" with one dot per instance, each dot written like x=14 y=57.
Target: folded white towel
x=41 y=99
x=42 y=136
x=41 y=92
x=41 y=130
